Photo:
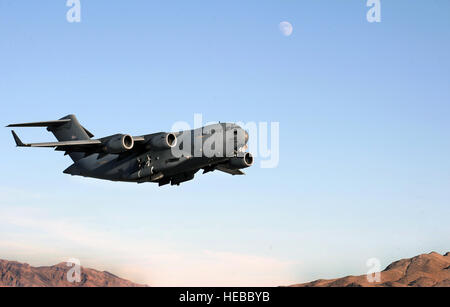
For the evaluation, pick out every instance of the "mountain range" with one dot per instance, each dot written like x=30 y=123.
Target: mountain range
x=426 y=270
x=16 y=274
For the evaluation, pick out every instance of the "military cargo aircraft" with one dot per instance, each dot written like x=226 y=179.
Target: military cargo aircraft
x=161 y=158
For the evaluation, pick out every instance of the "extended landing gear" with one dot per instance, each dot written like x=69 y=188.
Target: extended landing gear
x=145 y=169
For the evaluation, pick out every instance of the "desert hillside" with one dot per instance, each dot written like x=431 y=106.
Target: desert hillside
x=15 y=274
x=427 y=270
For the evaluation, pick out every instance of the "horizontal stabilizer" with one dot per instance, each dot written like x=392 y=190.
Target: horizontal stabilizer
x=42 y=124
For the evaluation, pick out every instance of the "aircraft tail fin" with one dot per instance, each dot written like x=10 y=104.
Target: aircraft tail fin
x=69 y=129
x=65 y=129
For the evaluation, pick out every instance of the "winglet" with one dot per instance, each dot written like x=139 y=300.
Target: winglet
x=17 y=139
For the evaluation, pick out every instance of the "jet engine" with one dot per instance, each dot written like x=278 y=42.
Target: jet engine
x=119 y=143
x=242 y=162
x=163 y=141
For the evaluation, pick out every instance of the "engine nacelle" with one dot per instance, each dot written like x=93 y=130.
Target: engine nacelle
x=163 y=141
x=242 y=162
x=119 y=143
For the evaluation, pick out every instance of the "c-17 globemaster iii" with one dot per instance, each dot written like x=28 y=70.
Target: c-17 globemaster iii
x=162 y=157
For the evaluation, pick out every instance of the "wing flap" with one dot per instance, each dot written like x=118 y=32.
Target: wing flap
x=230 y=171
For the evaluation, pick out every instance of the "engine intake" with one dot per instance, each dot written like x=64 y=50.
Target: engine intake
x=163 y=141
x=119 y=143
x=242 y=162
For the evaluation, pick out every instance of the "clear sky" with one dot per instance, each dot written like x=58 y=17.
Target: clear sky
x=364 y=136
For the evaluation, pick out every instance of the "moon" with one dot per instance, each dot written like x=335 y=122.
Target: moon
x=286 y=28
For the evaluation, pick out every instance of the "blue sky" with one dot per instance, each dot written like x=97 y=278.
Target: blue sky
x=364 y=147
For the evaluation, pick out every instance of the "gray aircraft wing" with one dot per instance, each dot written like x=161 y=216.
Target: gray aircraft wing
x=88 y=146
x=65 y=144
x=230 y=171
